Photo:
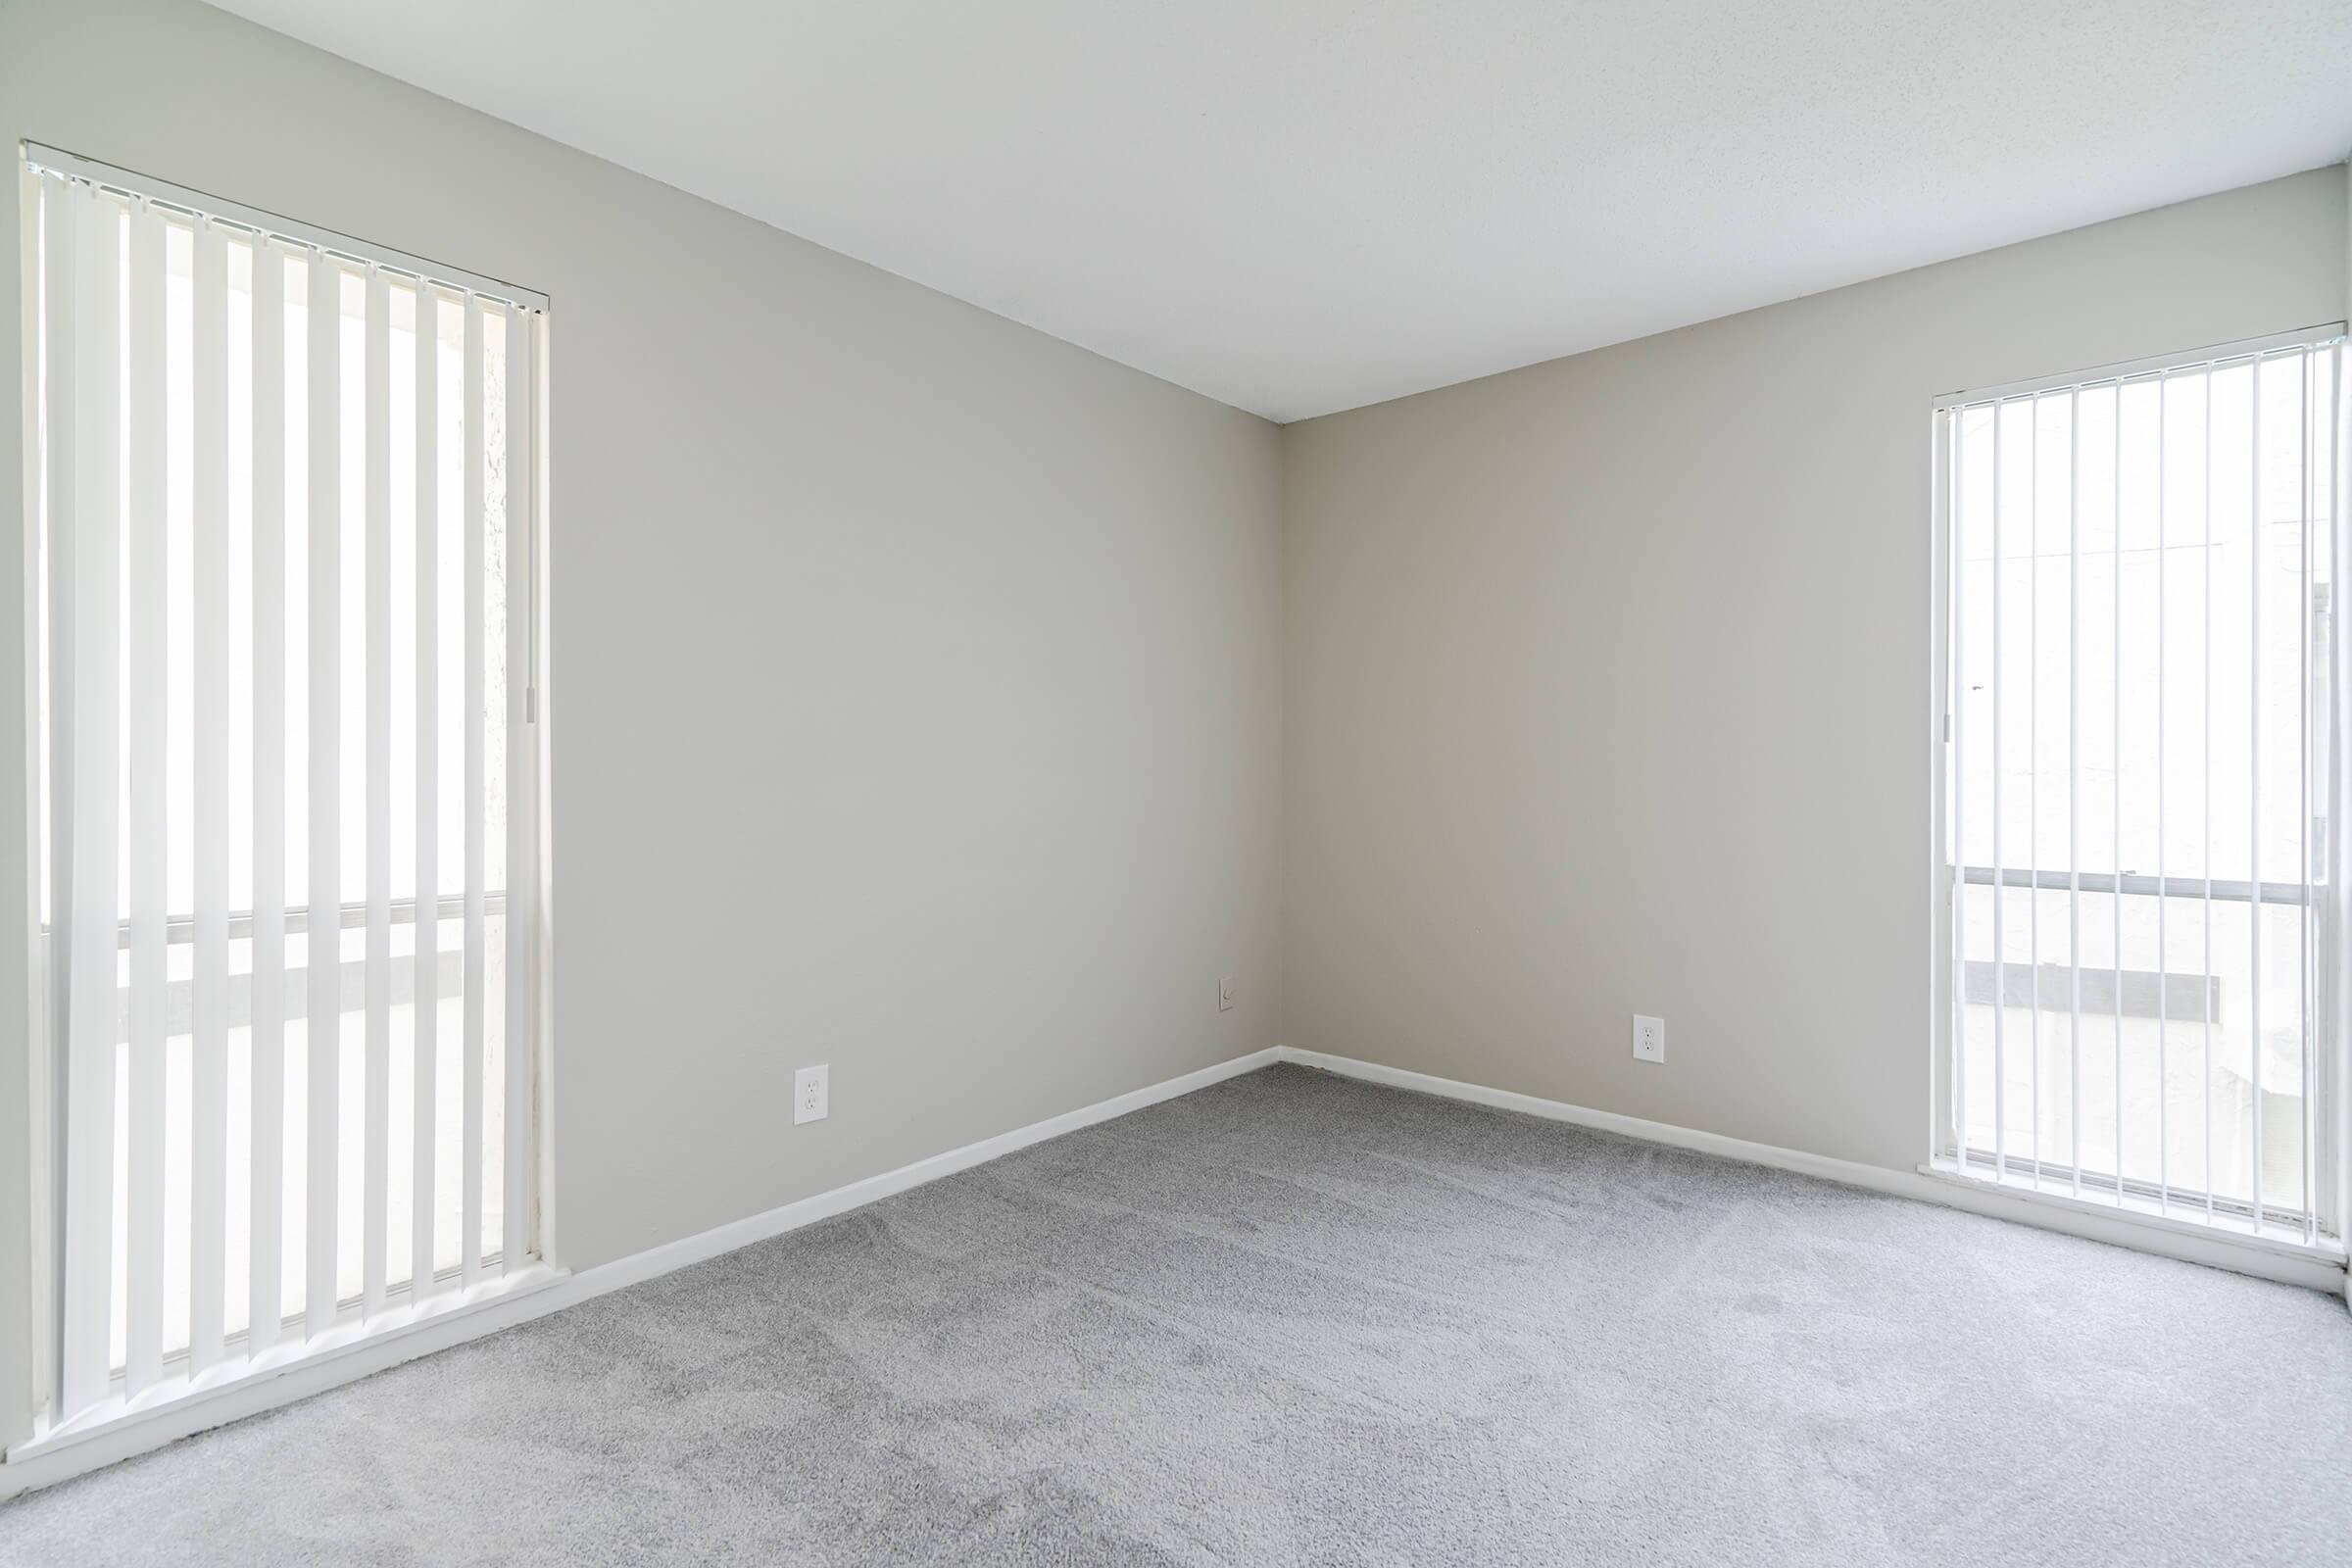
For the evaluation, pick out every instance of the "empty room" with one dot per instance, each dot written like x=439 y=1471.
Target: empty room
x=1563 y=783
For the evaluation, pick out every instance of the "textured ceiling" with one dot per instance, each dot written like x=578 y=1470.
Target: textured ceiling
x=1299 y=205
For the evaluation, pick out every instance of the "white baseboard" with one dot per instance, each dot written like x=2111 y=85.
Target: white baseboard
x=90 y=1443
x=2178 y=1239
x=672 y=1255
x=110 y=1435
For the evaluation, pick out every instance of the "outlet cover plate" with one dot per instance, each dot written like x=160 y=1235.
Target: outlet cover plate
x=1649 y=1039
x=810 y=1094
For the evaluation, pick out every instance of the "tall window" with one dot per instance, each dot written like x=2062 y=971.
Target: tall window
x=286 y=649
x=2136 y=798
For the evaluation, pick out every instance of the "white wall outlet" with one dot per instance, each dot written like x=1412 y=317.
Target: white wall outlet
x=810 y=1094
x=1649 y=1039
x=1225 y=994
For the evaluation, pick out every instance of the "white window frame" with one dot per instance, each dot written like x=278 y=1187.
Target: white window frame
x=2332 y=1042
x=120 y=1425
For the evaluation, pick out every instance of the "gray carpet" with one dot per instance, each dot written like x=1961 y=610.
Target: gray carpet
x=1298 y=1320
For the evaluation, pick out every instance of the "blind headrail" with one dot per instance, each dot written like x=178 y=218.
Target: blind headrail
x=343 y=247
x=2155 y=368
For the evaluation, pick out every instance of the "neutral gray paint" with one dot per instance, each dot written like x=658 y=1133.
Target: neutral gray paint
x=960 y=759
x=915 y=677
x=1607 y=680
x=1296 y=1320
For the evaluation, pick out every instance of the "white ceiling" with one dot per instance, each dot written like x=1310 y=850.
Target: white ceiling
x=1299 y=206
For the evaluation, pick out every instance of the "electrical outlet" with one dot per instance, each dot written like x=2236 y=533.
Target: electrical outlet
x=1225 y=994
x=810 y=1094
x=1649 y=1039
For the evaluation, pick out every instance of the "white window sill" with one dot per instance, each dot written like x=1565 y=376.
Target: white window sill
x=2181 y=1230
x=176 y=1406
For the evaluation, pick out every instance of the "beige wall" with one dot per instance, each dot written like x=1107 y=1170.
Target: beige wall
x=1608 y=685
x=915 y=677
x=942 y=702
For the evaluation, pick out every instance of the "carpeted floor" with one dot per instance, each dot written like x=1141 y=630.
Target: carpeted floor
x=1299 y=1319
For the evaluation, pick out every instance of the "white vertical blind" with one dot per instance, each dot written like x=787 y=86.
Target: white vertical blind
x=2141 y=588
x=476 y=978
x=424 y=1062
x=265 y=1285
x=207 y=1182
x=88 y=225
x=146 y=641
x=272 y=468
x=379 y=784
x=520 y=877
x=323 y=957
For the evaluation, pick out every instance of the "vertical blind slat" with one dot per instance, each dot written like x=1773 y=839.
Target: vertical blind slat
x=2205 y=795
x=2074 y=783
x=95 y=517
x=2163 y=1075
x=208 y=1185
x=1957 y=426
x=470 y=1245
x=2033 y=777
x=2115 y=738
x=2306 y=1191
x=58 y=268
x=377 y=980
x=2000 y=894
x=265 y=1258
x=514 y=1242
x=145 y=636
x=425 y=1128
x=2254 y=773
x=324 y=941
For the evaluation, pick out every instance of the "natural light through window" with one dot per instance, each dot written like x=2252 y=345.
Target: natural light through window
x=285 y=644
x=2137 y=793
